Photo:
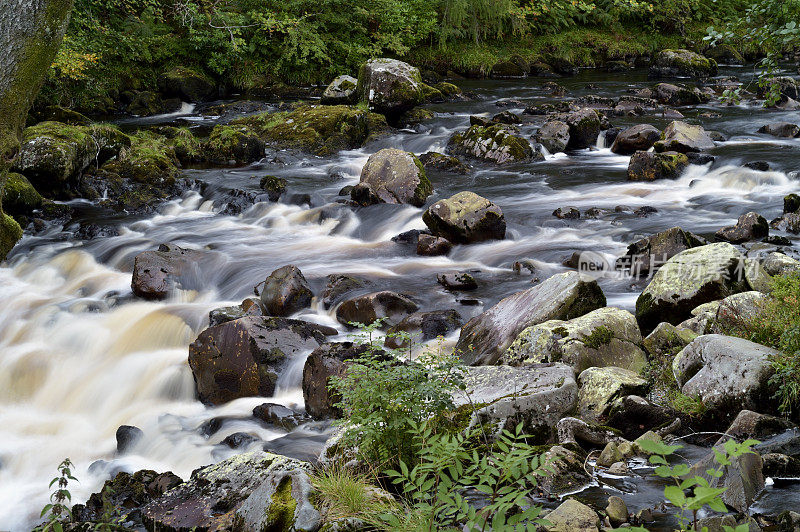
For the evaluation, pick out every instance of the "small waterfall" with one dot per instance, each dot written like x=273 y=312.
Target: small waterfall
x=601 y=140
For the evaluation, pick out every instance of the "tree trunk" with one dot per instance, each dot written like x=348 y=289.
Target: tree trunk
x=30 y=34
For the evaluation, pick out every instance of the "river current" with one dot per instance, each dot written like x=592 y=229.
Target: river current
x=80 y=356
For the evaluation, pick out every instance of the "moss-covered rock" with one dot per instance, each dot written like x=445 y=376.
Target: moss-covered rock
x=649 y=253
x=682 y=64
x=493 y=143
x=10 y=233
x=649 y=166
x=19 y=196
x=188 y=84
x=233 y=144
x=599 y=388
x=443 y=163
x=584 y=128
x=449 y=90
x=554 y=136
x=56 y=113
x=389 y=86
x=682 y=137
x=667 y=339
x=393 y=176
x=318 y=129
x=604 y=337
x=274 y=186
x=466 y=218
x=342 y=90
x=187 y=147
x=150 y=159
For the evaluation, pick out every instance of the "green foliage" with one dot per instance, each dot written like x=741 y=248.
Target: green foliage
x=57 y=510
x=777 y=325
x=344 y=494
x=504 y=473
x=690 y=494
x=385 y=395
x=599 y=337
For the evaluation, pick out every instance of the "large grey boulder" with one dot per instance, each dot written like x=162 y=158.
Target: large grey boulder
x=158 y=273
x=553 y=135
x=565 y=296
x=640 y=137
x=779 y=264
x=584 y=128
x=392 y=176
x=670 y=94
x=684 y=138
x=536 y=396
x=493 y=143
x=466 y=218
x=600 y=388
x=743 y=479
x=342 y=90
x=690 y=278
x=244 y=357
x=736 y=311
x=573 y=516
x=750 y=226
x=389 y=86
x=726 y=373
x=285 y=292
x=648 y=254
x=682 y=64
x=250 y=491
x=604 y=337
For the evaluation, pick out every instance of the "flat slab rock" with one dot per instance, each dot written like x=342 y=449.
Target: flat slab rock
x=537 y=395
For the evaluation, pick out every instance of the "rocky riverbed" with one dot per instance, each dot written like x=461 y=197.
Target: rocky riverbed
x=185 y=285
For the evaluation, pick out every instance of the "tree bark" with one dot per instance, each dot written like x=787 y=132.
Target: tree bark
x=30 y=35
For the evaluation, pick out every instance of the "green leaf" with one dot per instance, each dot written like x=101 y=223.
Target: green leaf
x=675 y=495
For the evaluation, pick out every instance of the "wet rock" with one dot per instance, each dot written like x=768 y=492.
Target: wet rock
x=239 y=440
x=389 y=86
x=682 y=137
x=752 y=425
x=432 y=246
x=286 y=291
x=573 y=516
x=619 y=469
x=157 y=273
x=465 y=218
x=669 y=94
x=187 y=84
x=760 y=166
x=781 y=129
x=617 y=510
x=127 y=436
x=390 y=307
x=600 y=388
x=19 y=196
x=342 y=90
x=564 y=296
x=567 y=474
x=667 y=339
x=682 y=64
x=278 y=415
x=567 y=213
x=789 y=222
x=254 y=490
x=326 y=361
x=507 y=70
x=225 y=314
x=235 y=145
x=392 y=176
x=640 y=137
x=492 y=143
x=536 y=396
x=791 y=203
x=584 y=128
x=443 y=163
x=243 y=358
x=554 y=136
x=423 y=326
x=690 y=278
x=700 y=158
x=506 y=117
x=743 y=479
x=127 y=493
x=339 y=286
x=603 y=337
x=457 y=281
x=648 y=254
x=610 y=455
x=726 y=373
x=750 y=226
x=274 y=186
x=649 y=166
x=634 y=415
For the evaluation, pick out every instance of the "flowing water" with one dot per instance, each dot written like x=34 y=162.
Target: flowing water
x=79 y=356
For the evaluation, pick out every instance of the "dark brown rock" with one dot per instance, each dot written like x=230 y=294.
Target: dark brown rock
x=285 y=292
x=750 y=226
x=390 y=307
x=636 y=138
x=326 y=361
x=157 y=273
x=423 y=326
x=431 y=246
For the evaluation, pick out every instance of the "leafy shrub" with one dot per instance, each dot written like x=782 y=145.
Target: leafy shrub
x=57 y=510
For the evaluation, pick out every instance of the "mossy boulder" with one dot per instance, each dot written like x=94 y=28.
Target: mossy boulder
x=573 y=516
x=56 y=113
x=233 y=144
x=53 y=155
x=187 y=84
x=649 y=166
x=342 y=90
x=690 y=278
x=449 y=90
x=389 y=86
x=647 y=254
x=667 y=339
x=600 y=388
x=584 y=128
x=750 y=226
x=392 y=176
x=150 y=159
x=466 y=218
x=670 y=94
x=604 y=337
x=10 y=233
x=274 y=186
x=684 y=138
x=486 y=337
x=735 y=312
x=493 y=143
x=554 y=136
x=682 y=64
x=318 y=129
x=19 y=196
x=443 y=163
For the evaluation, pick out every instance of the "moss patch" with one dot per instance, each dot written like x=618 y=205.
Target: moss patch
x=19 y=196
x=599 y=337
x=10 y=233
x=280 y=514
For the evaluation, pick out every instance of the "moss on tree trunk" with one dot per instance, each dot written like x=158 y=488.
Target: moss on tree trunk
x=30 y=35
